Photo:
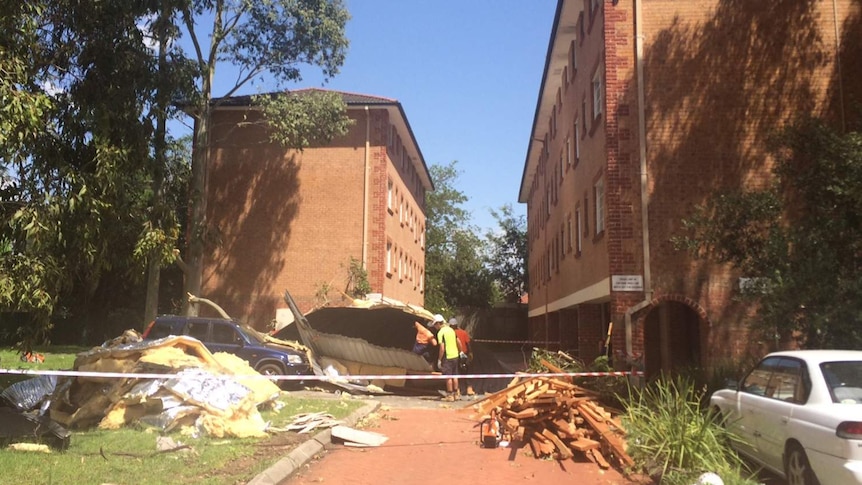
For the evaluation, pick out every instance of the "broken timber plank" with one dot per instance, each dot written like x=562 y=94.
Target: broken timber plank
x=498 y=398
x=556 y=370
x=600 y=459
x=584 y=444
x=526 y=413
x=563 y=450
x=616 y=444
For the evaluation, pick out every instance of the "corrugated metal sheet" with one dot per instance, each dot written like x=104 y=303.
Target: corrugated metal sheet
x=354 y=349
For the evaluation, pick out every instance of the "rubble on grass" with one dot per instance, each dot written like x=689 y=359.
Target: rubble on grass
x=202 y=393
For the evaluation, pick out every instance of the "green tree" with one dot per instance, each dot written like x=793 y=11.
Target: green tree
x=507 y=253
x=273 y=37
x=455 y=273
x=80 y=182
x=800 y=239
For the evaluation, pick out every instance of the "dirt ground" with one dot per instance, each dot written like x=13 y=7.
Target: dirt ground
x=440 y=445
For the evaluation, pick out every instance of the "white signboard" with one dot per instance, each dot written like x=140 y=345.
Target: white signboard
x=627 y=282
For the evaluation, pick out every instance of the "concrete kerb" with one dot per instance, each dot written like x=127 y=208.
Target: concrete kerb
x=302 y=454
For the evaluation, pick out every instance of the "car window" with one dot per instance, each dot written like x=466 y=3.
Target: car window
x=844 y=380
x=757 y=381
x=787 y=382
x=197 y=330
x=159 y=330
x=254 y=334
x=225 y=334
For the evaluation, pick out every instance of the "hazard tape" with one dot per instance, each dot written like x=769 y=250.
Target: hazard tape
x=133 y=375
x=525 y=342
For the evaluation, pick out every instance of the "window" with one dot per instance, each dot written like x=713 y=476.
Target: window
x=389 y=258
x=401 y=210
x=586 y=218
x=562 y=241
x=198 y=330
x=599 y=193
x=595 y=5
x=598 y=99
x=225 y=334
x=554 y=123
x=563 y=164
x=573 y=59
x=569 y=149
x=579 y=235
x=577 y=156
x=400 y=265
x=421 y=281
x=570 y=235
x=581 y=27
x=390 y=196
x=584 y=117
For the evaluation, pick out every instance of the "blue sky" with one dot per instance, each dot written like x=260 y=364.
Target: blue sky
x=467 y=73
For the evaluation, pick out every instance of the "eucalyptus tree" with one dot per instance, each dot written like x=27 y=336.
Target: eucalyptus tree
x=507 y=253
x=455 y=273
x=271 y=39
x=799 y=241
x=79 y=186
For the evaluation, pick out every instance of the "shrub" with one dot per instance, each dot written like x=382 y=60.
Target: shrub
x=674 y=440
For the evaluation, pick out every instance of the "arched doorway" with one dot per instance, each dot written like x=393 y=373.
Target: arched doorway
x=672 y=338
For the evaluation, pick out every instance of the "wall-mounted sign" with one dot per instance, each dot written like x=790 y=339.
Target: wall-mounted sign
x=627 y=282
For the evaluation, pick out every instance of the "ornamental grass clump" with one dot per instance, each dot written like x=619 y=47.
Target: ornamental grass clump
x=674 y=440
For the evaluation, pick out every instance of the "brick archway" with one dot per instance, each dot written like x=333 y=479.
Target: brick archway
x=674 y=332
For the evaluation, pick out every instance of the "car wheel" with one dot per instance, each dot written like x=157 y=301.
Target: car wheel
x=271 y=370
x=796 y=467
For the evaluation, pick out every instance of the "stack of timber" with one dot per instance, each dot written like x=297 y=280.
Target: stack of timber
x=557 y=419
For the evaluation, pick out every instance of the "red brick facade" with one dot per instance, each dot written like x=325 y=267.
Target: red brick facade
x=717 y=79
x=292 y=220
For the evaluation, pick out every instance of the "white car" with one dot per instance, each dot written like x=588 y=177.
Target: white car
x=799 y=414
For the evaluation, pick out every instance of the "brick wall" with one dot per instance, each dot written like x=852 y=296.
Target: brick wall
x=719 y=79
x=293 y=220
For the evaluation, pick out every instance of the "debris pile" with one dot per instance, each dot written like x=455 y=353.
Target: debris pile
x=556 y=419
x=215 y=394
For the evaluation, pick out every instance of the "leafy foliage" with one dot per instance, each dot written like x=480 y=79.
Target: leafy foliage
x=299 y=120
x=277 y=37
x=507 y=253
x=671 y=438
x=79 y=161
x=455 y=273
x=357 y=281
x=799 y=239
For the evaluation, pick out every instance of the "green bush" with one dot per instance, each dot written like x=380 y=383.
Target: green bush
x=674 y=440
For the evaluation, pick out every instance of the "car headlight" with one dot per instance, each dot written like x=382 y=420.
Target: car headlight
x=294 y=359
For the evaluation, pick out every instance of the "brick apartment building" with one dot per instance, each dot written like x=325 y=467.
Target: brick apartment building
x=294 y=220
x=646 y=107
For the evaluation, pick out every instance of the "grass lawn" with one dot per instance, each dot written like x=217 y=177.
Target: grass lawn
x=130 y=455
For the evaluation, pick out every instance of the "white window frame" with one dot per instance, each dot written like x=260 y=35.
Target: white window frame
x=390 y=195
x=599 y=204
x=579 y=222
x=598 y=99
x=569 y=150
x=577 y=140
x=389 y=257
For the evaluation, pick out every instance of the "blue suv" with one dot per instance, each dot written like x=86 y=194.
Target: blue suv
x=221 y=335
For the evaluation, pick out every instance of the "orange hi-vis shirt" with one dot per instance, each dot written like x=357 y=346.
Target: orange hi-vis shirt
x=423 y=334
